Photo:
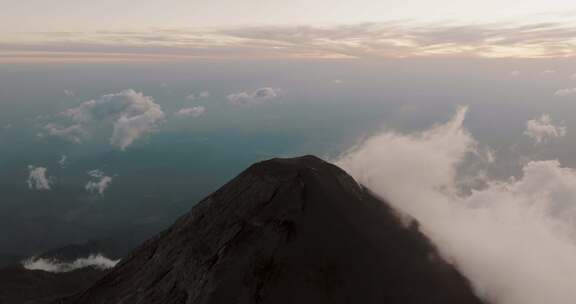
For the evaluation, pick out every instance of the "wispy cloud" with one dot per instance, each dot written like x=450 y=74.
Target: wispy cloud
x=367 y=40
x=258 y=96
x=565 y=92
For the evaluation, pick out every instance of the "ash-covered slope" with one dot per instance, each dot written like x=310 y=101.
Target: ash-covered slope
x=285 y=231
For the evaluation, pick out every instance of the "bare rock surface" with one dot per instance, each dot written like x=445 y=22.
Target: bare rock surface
x=294 y=230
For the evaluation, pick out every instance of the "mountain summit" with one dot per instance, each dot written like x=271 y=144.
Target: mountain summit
x=296 y=230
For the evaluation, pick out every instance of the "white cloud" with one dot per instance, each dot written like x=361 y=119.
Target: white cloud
x=542 y=130
x=257 y=96
x=74 y=133
x=129 y=112
x=63 y=161
x=565 y=92
x=548 y=73
x=514 y=239
x=99 y=182
x=514 y=73
x=204 y=94
x=69 y=93
x=38 y=178
x=573 y=76
x=191 y=112
x=52 y=265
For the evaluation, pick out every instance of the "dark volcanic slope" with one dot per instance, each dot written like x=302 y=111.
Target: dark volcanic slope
x=285 y=231
x=21 y=286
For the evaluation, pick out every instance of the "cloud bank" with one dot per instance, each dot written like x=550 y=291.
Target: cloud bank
x=99 y=182
x=258 y=96
x=53 y=265
x=38 y=178
x=130 y=113
x=542 y=130
x=514 y=239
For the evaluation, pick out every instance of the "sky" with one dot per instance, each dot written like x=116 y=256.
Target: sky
x=79 y=31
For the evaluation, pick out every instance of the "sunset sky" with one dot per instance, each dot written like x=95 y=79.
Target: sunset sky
x=40 y=30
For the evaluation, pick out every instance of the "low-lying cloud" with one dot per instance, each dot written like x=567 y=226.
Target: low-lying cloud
x=514 y=239
x=131 y=114
x=542 y=129
x=53 y=265
x=258 y=96
x=38 y=178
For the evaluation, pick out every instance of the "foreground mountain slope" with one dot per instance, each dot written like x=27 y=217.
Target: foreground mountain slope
x=19 y=285
x=285 y=231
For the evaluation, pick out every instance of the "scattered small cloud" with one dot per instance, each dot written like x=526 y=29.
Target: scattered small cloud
x=191 y=112
x=337 y=81
x=515 y=74
x=258 y=96
x=38 y=178
x=542 y=129
x=573 y=76
x=69 y=93
x=204 y=94
x=99 y=182
x=565 y=92
x=55 y=266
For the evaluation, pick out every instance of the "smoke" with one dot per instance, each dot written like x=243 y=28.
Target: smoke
x=514 y=239
x=53 y=265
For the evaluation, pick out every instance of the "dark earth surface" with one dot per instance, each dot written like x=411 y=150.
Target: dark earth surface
x=285 y=231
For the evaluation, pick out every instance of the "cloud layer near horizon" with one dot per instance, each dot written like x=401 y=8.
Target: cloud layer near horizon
x=514 y=239
x=364 y=40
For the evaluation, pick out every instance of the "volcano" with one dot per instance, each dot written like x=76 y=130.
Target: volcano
x=296 y=230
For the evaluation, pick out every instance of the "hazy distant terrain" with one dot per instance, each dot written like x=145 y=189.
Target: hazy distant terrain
x=322 y=107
